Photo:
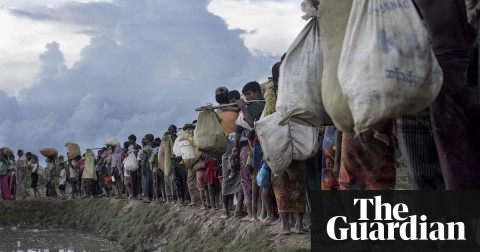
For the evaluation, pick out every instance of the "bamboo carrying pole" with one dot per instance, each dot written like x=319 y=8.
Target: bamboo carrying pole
x=225 y=105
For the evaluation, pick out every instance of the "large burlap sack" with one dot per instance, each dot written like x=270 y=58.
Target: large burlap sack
x=49 y=152
x=333 y=18
x=305 y=141
x=241 y=122
x=300 y=81
x=89 y=166
x=387 y=67
x=275 y=141
x=73 y=150
x=209 y=135
x=112 y=142
x=6 y=151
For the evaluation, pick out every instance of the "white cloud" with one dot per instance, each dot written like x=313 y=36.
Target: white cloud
x=22 y=42
x=146 y=65
x=272 y=25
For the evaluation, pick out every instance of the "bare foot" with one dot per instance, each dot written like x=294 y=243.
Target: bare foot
x=268 y=221
x=296 y=231
x=246 y=218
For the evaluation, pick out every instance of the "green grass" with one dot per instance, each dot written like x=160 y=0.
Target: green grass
x=402 y=176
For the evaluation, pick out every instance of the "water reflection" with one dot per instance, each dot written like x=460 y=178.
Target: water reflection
x=52 y=240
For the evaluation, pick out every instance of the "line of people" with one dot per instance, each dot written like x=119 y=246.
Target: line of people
x=440 y=145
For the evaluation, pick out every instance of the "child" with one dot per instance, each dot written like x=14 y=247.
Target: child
x=212 y=181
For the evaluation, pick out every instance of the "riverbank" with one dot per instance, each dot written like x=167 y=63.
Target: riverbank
x=137 y=226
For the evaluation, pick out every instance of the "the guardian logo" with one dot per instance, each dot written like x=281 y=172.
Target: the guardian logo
x=391 y=222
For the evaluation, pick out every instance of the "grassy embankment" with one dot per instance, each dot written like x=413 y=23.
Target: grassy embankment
x=145 y=227
x=137 y=226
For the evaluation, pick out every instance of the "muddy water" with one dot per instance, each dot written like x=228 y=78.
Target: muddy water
x=12 y=239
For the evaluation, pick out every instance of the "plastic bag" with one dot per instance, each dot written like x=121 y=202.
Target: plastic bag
x=300 y=80
x=131 y=163
x=187 y=150
x=264 y=176
x=209 y=135
x=333 y=19
x=387 y=67
x=176 y=148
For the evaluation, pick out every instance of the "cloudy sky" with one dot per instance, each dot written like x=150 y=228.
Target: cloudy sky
x=89 y=70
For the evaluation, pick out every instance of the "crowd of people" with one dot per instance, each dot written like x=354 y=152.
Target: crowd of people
x=439 y=152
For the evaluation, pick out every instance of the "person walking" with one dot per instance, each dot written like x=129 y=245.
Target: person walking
x=21 y=173
x=4 y=177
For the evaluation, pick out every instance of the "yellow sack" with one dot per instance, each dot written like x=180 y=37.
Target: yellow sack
x=209 y=135
x=49 y=152
x=6 y=151
x=333 y=19
x=73 y=150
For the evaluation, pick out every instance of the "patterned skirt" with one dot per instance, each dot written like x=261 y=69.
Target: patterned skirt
x=290 y=189
x=245 y=175
x=368 y=162
x=329 y=181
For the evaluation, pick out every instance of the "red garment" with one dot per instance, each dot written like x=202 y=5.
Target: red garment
x=81 y=164
x=212 y=172
x=4 y=187
x=256 y=140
